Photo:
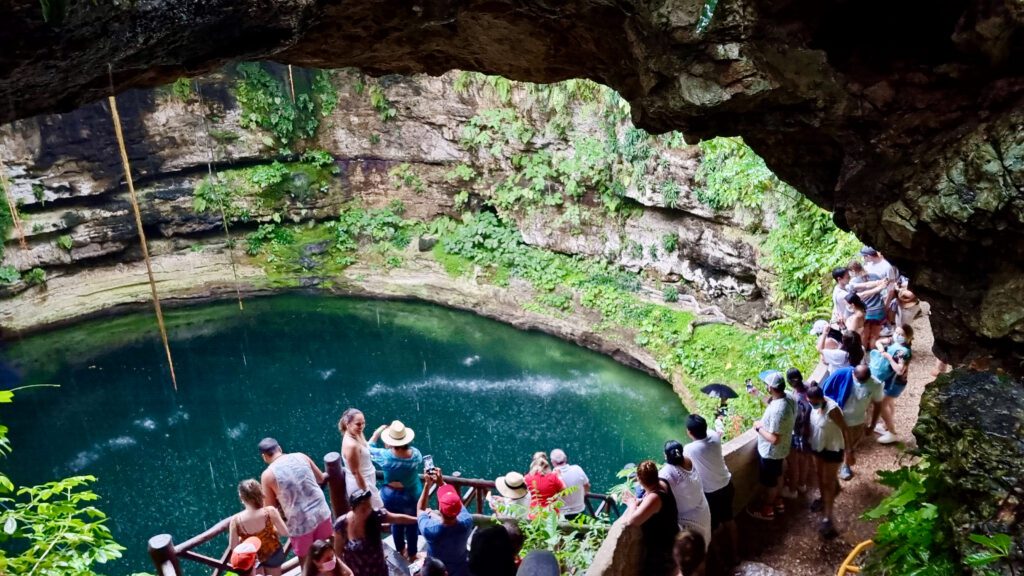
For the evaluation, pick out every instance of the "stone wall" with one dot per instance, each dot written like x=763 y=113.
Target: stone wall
x=65 y=174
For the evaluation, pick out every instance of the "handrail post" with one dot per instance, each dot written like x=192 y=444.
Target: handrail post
x=336 y=484
x=161 y=551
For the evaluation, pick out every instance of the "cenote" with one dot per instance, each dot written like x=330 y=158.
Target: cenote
x=482 y=396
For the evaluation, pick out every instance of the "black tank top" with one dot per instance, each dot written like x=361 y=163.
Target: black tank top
x=660 y=532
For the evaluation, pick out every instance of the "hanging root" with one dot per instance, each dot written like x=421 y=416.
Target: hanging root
x=12 y=206
x=142 y=235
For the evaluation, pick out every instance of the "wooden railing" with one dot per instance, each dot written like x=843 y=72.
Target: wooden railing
x=167 y=555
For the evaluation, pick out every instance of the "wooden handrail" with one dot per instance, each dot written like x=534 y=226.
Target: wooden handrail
x=166 y=555
x=479 y=487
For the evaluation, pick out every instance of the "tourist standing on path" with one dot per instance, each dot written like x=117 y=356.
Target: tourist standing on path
x=705 y=451
x=889 y=364
x=828 y=438
x=799 y=463
x=692 y=511
x=263 y=522
x=832 y=353
x=492 y=552
x=656 y=516
x=575 y=503
x=869 y=287
x=877 y=265
x=839 y=292
x=864 y=392
x=774 y=431
x=323 y=562
x=292 y=483
x=357 y=535
x=401 y=463
x=446 y=531
x=355 y=451
x=542 y=482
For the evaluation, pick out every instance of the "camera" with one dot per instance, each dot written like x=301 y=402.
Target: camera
x=428 y=464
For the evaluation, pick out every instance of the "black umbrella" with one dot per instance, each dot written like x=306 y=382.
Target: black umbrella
x=720 y=391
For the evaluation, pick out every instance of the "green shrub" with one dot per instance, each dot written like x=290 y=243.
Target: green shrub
x=670 y=294
x=34 y=277
x=9 y=274
x=65 y=242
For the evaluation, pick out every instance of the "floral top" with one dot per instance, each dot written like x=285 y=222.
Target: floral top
x=364 y=556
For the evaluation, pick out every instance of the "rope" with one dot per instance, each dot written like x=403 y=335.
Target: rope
x=291 y=81
x=12 y=206
x=142 y=235
x=223 y=216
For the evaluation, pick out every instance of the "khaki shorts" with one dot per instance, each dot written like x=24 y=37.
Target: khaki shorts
x=856 y=434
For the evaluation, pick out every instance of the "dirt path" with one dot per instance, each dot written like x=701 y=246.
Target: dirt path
x=791 y=543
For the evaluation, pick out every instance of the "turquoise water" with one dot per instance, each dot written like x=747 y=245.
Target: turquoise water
x=481 y=396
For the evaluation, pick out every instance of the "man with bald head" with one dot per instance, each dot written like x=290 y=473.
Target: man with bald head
x=864 y=390
x=573 y=504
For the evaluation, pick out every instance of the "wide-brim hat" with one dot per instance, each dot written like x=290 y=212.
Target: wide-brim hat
x=511 y=485
x=397 y=434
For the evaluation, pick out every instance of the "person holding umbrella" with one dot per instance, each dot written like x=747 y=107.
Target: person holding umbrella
x=724 y=394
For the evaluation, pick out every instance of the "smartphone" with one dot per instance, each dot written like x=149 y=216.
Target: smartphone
x=428 y=463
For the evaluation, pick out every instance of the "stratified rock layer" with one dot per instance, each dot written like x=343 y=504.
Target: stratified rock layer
x=905 y=118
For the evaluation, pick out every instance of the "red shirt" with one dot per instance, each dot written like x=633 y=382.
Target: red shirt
x=543 y=488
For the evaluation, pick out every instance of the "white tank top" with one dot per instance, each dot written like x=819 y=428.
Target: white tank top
x=826 y=434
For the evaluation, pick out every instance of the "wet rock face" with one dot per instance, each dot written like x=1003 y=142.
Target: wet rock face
x=905 y=118
x=973 y=423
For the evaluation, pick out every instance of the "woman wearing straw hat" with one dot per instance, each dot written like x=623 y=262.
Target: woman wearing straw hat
x=513 y=499
x=401 y=463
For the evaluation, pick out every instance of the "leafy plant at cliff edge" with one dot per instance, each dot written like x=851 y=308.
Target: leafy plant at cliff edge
x=52 y=529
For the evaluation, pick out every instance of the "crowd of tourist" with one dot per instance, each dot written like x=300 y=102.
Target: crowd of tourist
x=808 y=436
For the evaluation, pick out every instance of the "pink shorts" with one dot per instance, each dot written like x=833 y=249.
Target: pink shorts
x=301 y=544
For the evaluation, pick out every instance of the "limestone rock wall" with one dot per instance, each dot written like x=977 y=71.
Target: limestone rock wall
x=64 y=171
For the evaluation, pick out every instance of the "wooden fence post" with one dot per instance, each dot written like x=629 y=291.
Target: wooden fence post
x=336 y=483
x=161 y=550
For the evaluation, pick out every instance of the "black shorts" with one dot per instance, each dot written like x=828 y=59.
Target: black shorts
x=275 y=560
x=768 y=471
x=831 y=456
x=720 y=502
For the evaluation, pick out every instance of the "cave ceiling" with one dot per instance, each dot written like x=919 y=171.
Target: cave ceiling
x=904 y=118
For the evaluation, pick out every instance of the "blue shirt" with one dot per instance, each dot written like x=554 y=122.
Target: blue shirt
x=838 y=385
x=404 y=470
x=448 y=543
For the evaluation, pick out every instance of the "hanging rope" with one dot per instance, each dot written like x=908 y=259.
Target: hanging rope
x=142 y=235
x=291 y=81
x=223 y=216
x=12 y=206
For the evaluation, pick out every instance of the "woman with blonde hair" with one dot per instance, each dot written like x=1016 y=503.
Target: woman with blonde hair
x=355 y=451
x=543 y=483
x=263 y=522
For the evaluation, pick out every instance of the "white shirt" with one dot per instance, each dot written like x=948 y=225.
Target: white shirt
x=882 y=268
x=573 y=475
x=839 y=303
x=707 y=459
x=779 y=418
x=826 y=434
x=861 y=395
x=691 y=505
x=835 y=358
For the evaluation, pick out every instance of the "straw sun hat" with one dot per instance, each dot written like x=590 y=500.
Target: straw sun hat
x=397 y=434
x=511 y=485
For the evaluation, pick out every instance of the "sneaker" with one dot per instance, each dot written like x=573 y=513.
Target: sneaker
x=888 y=438
x=817 y=505
x=880 y=428
x=845 y=473
x=788 y=493
x=827 y=529
x=886 y=331
x=764 y=513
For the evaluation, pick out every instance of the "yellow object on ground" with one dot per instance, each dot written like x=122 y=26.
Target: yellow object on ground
x=848 y=566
